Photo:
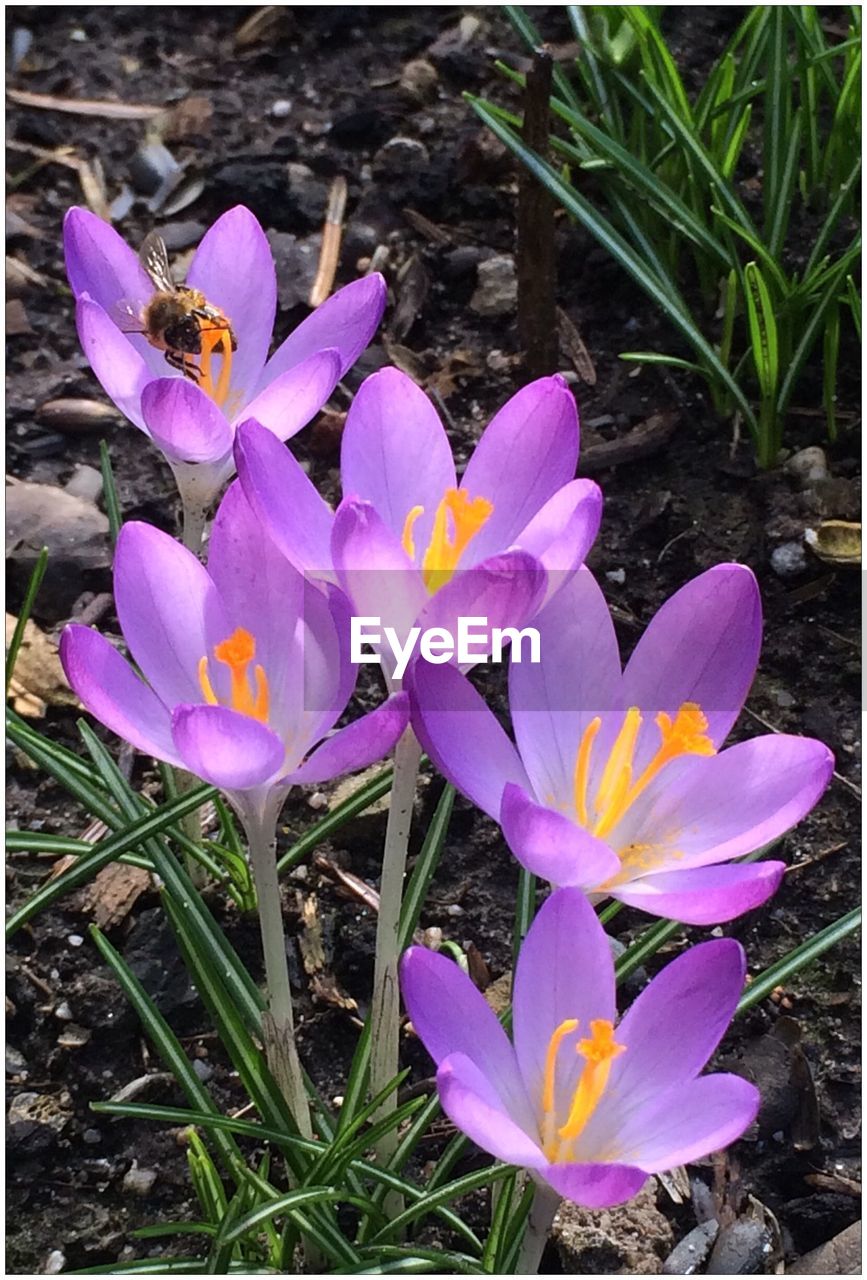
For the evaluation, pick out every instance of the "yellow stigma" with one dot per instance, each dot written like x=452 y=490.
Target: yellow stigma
x=457 y=520
x=686 y=734
x=599 y=1050
x=212 y=339
x=236 y=653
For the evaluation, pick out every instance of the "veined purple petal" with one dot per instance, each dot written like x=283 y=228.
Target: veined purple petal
x=506 y=590
x=529 y=450
x=578 y=678
x=284 y=499
x=111 y=691
x=389 y=428
x=101 y=264
x=120 y=369
x=230 y=750
x=564 y=971
x=563 y=531
x=234 y=269
x=346 y=321
x=688 y=1122
x=704 y=895
x=185 y=423
x=462 y=735
x=374 y=570
x=357 y=745
x=721 y=807
x=595 y=1186
x=289 y=402
x=262 y=593
x=451 y=1016
x=322 y=645
x=472 y=1102
x=674 y=1026
x=168 y=610
x=551 y=845
x=702 y=646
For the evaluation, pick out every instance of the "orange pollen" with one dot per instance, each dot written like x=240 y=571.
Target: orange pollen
x=213 y=340
x=457 y=520
x=236 y=653
x=686 y=734
x=599 y=1050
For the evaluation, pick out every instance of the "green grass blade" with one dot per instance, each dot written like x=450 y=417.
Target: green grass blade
x=360 y=800
x=425 y=868
x=763 y=330
x=109 y=490
x=830 y=354
x=797 y=959
x=30 y=594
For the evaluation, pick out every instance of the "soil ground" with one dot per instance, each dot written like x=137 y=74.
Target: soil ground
x=692 y=503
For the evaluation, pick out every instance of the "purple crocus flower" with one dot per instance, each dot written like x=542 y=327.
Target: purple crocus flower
x=245 y=665
x=193 y=424
x=409 y=544
x=618 y=784
x=589 y=1106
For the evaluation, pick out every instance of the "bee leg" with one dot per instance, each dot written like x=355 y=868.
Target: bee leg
x=184 y=365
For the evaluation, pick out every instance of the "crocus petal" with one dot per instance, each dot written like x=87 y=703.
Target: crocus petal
x=471 y=1101
x=375 y=571
x=168 y=610
x=185 y=423
x=675 y=1025
x=289 y=402
x=390 y=426
x=462 y=735
x=224 y=747
x=263 y=594
x=551 y=846
x=347 y=321
x=722 y=807
x=111 y=691
x=451 y=1016
x=121 y=370
x=688 y=1122
x=323 y=656
x=702 y=646
x=595 y=1186
x=503 y=591
x=284 y=499
x=527 y=452
x=100 y=263
x=563 y=531
x=234 y=269
x=704 y=895
x=578 y=678
x=357 y=745
x=564 y=970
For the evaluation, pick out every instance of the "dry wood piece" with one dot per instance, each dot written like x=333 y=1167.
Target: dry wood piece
x=573 y=344
x=113 y=893
x=85 y=106
x=412 y=288
x=537 y=262
x=38 y=680
x=426 y=228
x=643 y=440
x=332 y=233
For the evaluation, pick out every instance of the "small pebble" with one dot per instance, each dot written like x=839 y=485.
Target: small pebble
x=808 y=466
x=75 y=940
x=789 y=560
x=203 y=1070
x=92 y=1137
x=418 y=80
x=616 y=575
x=73 y=1037
x=497 y=291
x=784 y=699
x=319 y=800
x=54 y=1263
x=64 y=1013
x=138 y=1182
x=281 y=108
x=16 y=1063
x=454 y=910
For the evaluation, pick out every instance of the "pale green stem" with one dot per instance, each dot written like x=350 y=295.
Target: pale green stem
x=195 y=517
x=191 y=825
x=278 y=1024
x=545 y=1204
x=385 y=1007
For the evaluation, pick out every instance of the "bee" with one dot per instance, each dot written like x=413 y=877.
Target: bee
x=175 y=317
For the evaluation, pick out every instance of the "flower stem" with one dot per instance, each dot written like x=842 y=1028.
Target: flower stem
x=191 y=825
x=195 y=517
x=278 y=1024
x=545 y=1204
x=385 y=1007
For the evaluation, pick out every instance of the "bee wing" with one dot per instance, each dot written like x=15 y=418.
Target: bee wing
x=154 y=257
x=127 y=316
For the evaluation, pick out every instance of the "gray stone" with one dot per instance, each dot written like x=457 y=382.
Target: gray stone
x=740 y=1250
x=838 y=1257
x=203 y=1069
x=85 y=482
x=497 y=291
x=138 y=1182
x=807 y=466
x=789 y=560
x=689 y=1256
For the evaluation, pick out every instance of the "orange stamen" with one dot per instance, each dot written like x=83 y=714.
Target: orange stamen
x=599 y=1051
x=582 y=768
x=457 y=520
x=408 y=524
x=211 y=340
x=237 y=652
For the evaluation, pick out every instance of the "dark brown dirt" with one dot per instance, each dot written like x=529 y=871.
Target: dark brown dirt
x=693 y=503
